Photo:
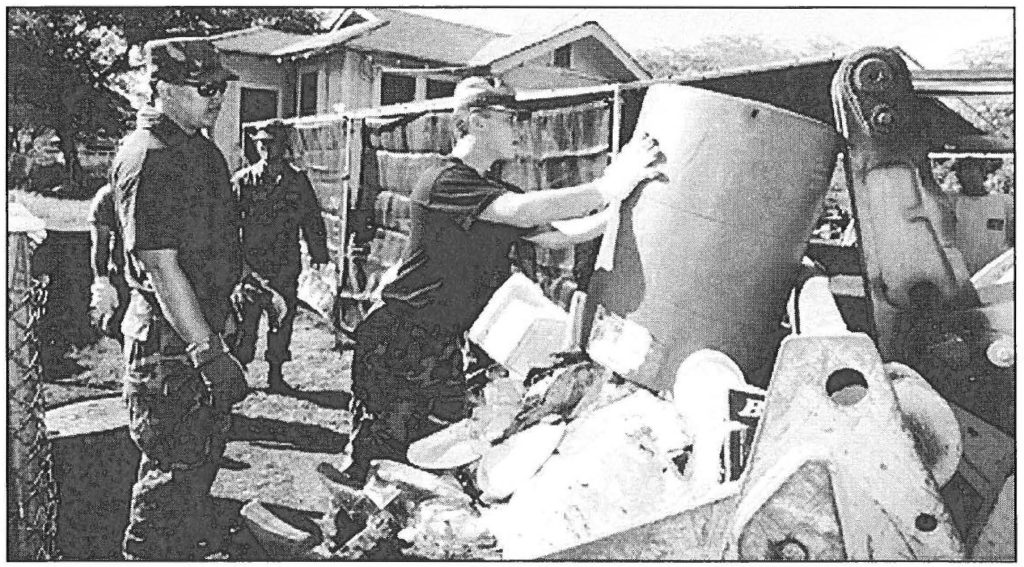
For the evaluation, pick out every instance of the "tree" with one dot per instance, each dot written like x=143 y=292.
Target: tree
x=63 y=62
x=730 y=51
x=998 y=111
x=992 y=54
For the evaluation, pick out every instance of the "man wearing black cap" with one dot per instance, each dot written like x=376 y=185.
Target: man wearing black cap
x=276 y=201
x=179 y=223
x=407 y=379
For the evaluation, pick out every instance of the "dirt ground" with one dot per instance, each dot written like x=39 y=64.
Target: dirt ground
x=276 y=441
x=317 y=369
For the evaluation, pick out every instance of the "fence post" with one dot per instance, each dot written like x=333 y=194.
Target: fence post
x=31 y=493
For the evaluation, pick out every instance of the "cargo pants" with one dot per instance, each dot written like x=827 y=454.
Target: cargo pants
x=182 y=438
x=407 y=382
x=278 y=343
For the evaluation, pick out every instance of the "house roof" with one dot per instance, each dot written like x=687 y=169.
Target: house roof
x=410 y=35
x=256 y=41
x=334 y=38
x=515 y=49
x=424 y=37
x=273 y=43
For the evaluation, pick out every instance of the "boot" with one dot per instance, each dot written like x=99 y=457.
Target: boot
x=275 y=379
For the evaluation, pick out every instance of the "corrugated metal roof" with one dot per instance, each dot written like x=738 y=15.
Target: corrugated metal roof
x=425 y=38
x=256 y=41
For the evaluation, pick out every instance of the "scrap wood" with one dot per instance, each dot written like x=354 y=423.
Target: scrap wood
x=509 y=465
x=279 y=539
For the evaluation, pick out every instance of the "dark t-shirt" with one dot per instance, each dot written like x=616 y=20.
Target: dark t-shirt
x=102 y=213
x=173 y=192
x=42 y=178
x=453 y=262
x=273 y=211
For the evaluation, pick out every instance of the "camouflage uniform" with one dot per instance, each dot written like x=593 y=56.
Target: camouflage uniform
x=407 y=383
x=407 y=368
x=273 y=211
x=182 y=437
x=172 y=192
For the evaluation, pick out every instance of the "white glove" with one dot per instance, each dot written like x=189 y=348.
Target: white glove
x=104 y=298
x=255 y=288
x=634 y=164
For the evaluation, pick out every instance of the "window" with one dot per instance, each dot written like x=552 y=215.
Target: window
x=440 y=89
x=255 y=104
x=396 y=89
x=563 y=57
x=308 y=87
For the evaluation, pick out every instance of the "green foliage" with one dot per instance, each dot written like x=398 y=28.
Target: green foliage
x=729 y=51
x=997 y=111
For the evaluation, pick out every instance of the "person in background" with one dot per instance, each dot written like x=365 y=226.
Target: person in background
x=179 y=221
x=46 y=168
x=407 y=379
x=109 y=289
x=276 y=201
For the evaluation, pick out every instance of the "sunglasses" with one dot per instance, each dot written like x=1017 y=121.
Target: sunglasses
x=208 y=90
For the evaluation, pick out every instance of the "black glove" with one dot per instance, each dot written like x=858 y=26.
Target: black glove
x=225 y=378
x=221 y=371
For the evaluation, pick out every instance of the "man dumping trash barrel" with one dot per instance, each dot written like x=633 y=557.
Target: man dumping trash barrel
x=662 y=322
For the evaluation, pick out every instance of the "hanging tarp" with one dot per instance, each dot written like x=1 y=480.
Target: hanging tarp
x=364 y=166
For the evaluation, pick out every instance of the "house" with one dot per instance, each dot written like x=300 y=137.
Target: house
x=372 y=57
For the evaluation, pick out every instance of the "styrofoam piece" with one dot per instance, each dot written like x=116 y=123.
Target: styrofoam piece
x=454 y=446
x=701 y=396
x=519 y=327
x=507 y=466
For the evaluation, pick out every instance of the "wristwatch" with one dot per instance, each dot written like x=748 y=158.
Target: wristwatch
x=206 y=350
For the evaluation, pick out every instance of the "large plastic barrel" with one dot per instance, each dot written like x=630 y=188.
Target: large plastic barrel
x=708 y=258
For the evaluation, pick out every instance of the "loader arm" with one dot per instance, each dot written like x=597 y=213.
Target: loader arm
x=905 y=222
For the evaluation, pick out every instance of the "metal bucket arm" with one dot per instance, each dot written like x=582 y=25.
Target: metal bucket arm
x=905 y=222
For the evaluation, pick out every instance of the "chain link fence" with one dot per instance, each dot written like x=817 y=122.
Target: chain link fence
x=31 y=491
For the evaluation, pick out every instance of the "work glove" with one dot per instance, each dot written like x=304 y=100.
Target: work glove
x=221 y=371
x=255 y=289
x=225 y=379
x=637 y=162
x=103 y=303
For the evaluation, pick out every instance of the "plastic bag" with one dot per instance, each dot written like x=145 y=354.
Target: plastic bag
x=318 y=288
